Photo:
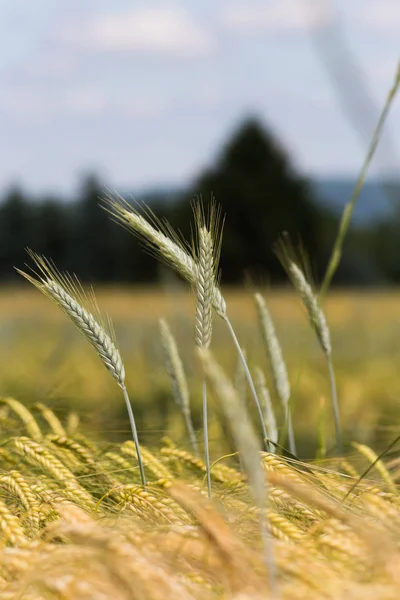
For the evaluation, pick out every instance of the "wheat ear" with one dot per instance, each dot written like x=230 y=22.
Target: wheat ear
x=246 y=443
x=278 y=367
x=318 y=322
x=203 y=321
x=178 y=380
x=165 y=243
x=69 y=295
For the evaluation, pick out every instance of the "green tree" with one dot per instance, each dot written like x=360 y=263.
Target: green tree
x=262 y=196
x=52 y=231
x=17 y=231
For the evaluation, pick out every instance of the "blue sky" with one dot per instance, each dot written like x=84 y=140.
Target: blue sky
x=144 y=93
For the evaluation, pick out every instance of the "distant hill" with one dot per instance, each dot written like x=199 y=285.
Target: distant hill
x=377 y=199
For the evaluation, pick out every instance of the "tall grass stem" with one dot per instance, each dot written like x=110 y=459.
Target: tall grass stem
x=291 y=438
x=205 y=433
x=248 y=377
x=349 y=208
x=191 y=433
x=335 y=405
x=134 y=433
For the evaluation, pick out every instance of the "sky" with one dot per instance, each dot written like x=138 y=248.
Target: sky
x=145 y=93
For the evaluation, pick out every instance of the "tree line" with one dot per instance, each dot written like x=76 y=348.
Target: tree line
x=253 y=181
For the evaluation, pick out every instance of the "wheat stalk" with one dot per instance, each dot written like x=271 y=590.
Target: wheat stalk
x=178 y=380
x=246 y=443
x=270 y=421
x=278 y=367
x=69 y=295
x=345 y=219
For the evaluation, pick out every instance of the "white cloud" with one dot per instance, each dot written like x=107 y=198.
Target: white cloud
x=382 y=15
x=147 y=30
x=276 y=15
x=84 y=101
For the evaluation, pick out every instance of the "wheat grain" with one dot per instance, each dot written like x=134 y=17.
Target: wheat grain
x=26 y=417
x=73 y=446
x=10 y=528
x=72 y=423
x=380 y=467
x=52 y=420
x=36 y=454
x=17 y=485
x=153 y=464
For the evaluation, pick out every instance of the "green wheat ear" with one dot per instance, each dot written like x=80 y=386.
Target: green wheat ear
x=207 y=246
x=168 y=246
x=67 y=292
x=300 y=278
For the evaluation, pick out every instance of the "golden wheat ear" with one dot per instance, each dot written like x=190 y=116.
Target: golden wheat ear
x=81 y=307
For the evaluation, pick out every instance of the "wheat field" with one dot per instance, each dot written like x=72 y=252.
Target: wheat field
x=44 y=360
x=76 y=523
x=75 y=520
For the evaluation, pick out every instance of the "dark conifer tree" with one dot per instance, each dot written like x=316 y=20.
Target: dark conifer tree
x=262 y=196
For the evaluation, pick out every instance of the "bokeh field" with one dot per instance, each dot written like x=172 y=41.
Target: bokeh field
x=44 y=359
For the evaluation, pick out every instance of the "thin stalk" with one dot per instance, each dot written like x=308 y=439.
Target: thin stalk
x=249 y=379
x=349 y=208
x=192 y=435
x=134 y=433
x=291 y=439
x=205 y=429
x=335 y=406
x=269 y=557
x=247 y=443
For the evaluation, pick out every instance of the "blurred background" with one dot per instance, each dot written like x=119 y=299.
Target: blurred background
x=270 y=106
